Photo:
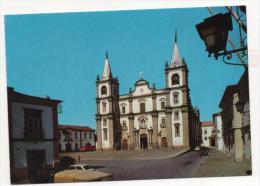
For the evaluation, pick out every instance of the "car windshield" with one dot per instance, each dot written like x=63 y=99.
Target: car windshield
x=86 y=167
x=70 y=168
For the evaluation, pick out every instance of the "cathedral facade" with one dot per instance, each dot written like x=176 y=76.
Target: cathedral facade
x=146 y=117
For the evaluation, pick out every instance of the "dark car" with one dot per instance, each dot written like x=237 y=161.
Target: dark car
x=204 y=151
x=66 y=161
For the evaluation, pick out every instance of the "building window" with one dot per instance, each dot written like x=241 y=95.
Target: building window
x=205 y=131
x=205 y=138
x=176 y=116
x=104 y=107
x=105 y=133
x=76 y=135
x=175 y=98
x=124 y=124
x=85 y=135
x=76 y=147
x=175 y=79
x=103 y=90
x=162 y=105
x=142 y=124
x=104 y=122
x=142 y=107
x=90 y=135
x=177 y=129
x=33 y=124
x=163 y=120
x=123 y=110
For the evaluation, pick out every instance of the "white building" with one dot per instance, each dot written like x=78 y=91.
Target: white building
x=208 y=134
x=33 y=126
x=147 y=117
x=219 y=131
x=74 y=137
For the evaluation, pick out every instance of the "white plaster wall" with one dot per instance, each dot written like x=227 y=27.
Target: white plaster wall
x=179 y=72
x=180 y=97
x=88 y=140
x=101 y=106
x=218 y=123
x=209 y=132
x=19 y=150
x=177 y=140
x=105 y=143
x=148 y=104
x=126 y=105
x=141 y=90
x=19 y=123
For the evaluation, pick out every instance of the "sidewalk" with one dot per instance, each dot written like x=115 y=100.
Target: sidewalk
x=218 y=164
x=127 y=155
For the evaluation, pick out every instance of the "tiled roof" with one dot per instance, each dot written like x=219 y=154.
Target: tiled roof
x=207 y=123
x=75 y=127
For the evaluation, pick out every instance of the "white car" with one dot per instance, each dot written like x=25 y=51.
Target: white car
x=80 y=167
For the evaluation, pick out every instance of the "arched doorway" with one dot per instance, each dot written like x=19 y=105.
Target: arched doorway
x=125 y=144
x=164 y=142
x=68 y=147
x=143 y=141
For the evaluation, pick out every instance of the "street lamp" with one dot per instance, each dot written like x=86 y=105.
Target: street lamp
x=214 y=31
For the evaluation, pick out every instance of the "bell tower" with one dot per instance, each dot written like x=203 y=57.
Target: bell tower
x=177 y=98
x=108 y=115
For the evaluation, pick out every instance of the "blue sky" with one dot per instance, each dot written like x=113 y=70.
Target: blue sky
x=60 y=55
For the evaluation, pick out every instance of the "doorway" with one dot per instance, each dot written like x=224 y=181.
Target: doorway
x=164 y=142
x=35 y=163
x=68 y=147
x=125 y=144
x=143 y=141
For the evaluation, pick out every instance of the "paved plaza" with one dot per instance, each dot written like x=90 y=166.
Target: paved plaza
x=126 y=155
x=162 y=164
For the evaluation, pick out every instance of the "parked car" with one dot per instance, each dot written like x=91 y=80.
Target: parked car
x=204 y=151
x=80 y=167
x=66 y=161
x=81 y=176
x=88 y=148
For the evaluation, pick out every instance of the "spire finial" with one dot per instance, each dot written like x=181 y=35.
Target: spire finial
x=175 y=39
x=141 y=74
x=106 y=55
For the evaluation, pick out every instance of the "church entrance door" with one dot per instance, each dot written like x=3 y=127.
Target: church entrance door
x=164 y=142
x=125 y=144
x=143 y=141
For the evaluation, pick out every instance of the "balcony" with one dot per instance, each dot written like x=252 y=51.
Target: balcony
x=142 y=126
x=163 y=125
x=124 y=128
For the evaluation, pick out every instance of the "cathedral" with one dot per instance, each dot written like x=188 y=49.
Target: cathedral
x=146 y=117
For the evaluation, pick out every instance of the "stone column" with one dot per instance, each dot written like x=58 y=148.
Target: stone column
x=168 y=113
x=185 y=127
x=154 y=103
x=99 y=132
x=111 y=133
x=98 y=105
x=184 y=96
x=131 y=129
x=110 y=105
x=236 y=125
x=155 y=129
